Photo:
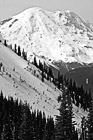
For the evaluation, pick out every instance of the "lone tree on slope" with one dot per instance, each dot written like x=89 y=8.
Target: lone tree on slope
x=64 y=125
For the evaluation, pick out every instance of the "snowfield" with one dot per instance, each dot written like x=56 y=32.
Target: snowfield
x=53 y=35
x=24 y=85
x=17 y=79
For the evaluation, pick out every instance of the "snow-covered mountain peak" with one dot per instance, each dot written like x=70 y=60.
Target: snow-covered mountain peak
x=55 y=36
x=68 y=11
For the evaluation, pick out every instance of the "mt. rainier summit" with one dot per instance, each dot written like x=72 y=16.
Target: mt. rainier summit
x=55 y=36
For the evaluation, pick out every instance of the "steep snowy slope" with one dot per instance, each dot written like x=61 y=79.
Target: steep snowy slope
x=56 y=36
x=17 y=79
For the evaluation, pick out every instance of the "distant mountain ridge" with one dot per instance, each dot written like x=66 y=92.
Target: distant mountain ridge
x=54 y=36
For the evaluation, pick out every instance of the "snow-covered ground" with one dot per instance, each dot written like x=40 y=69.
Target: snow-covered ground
x=17 y=79
x=54 y=35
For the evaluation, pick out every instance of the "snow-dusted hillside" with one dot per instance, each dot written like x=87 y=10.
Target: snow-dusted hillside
x=54 y=35
x=17 y=79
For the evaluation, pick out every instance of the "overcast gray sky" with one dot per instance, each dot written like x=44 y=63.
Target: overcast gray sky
x=84 y=8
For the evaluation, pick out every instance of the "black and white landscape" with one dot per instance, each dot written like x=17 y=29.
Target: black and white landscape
x=46 y=76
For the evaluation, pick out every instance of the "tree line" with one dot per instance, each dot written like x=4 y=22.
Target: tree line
x=17 y=126
x=79 y=96
x=17 y=50
x=18 y=122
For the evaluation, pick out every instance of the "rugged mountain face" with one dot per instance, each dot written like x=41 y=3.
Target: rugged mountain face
x=55 y=36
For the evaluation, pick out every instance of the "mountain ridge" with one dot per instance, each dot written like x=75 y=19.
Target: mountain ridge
x=56 y=36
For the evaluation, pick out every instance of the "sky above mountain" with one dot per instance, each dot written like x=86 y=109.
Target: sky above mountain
x=83 y=8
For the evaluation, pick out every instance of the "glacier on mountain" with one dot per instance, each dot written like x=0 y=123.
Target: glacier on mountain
x=56 y=36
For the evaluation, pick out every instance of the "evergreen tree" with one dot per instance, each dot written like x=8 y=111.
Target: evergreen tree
x=75 y=134
x=40 y=66
x=90 y=119
x=49 y=129
x=25 y=130
x=39 y=125
x=64 y=127
x=10 y=46
x=86 y=100
x=35 y=62
x=77 y=97
x=1 y=65
x=19 y=51
x=50 y=72
x=89 y=99
x=24 y=54
x=70 y=86
x=47 y=76
x=42 y=75
x=74 y=86
x=15 y=48
x=59 y=80
x=5 y=43
x=84 y=129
